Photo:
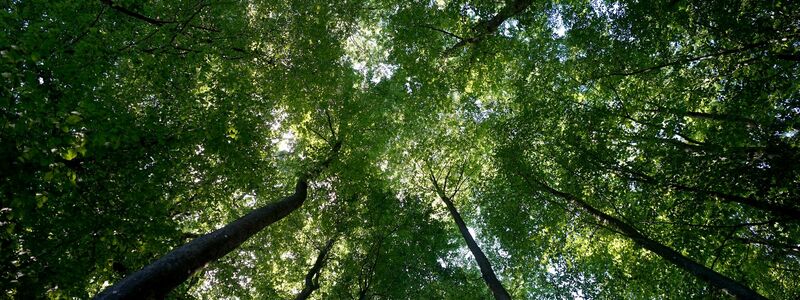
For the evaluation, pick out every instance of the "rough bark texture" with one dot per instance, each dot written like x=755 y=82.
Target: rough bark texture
x=487 y=272
x=311 y=283
x=166 y=273
x=706 y=274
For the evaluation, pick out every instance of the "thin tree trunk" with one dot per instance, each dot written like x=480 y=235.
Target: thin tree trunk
x=362 y=295
x=676 y=258
x=166 y=273
x=487 y=272
x=312 y=277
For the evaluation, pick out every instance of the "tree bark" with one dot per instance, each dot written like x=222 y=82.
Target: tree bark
x=312 y=277
x=362 y=295
x=166 y=273
x=163 y=275
x=489 y=27
x=676 y=258
x=487 y=272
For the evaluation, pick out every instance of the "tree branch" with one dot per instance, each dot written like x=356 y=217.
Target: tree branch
x=460 y=38
x=130 y=13
x=489 y=27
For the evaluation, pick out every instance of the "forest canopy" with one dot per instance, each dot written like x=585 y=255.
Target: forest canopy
x=381 y=149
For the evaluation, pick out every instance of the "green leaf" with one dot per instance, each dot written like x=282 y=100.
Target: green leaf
x=69 y=154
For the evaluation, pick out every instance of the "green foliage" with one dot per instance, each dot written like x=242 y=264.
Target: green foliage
x=129 y=128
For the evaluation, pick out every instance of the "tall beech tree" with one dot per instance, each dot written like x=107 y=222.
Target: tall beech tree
x=441 y=189
x=585 y=149
x=704 y=273
x=160 y=277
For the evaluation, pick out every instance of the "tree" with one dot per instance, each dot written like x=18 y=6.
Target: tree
x=669 y=254
x=160 y=277
x=311 y=282
x=485 y=265
x=584 y=149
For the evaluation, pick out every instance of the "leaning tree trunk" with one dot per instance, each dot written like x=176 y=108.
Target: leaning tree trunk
x=499 y=292
x=312 y=277
x=166 y=273
x=676 y=258
x=487 y=272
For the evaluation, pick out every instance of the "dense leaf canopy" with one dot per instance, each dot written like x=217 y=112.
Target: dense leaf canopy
x=591 y=149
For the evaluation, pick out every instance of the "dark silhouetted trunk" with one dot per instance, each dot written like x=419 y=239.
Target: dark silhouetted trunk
x=163 y=275
x=166 y=273
x=487 y=272
x=312 y=277
x=362 y=295
x=676 y=258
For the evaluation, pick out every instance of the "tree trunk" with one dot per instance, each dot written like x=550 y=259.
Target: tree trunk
x=362 y=295
x=312 y=277
x=676 y=258
x=160 y=277
x=166 y=273
x=487 y=272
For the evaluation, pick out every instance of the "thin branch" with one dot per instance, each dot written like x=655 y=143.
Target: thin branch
x=687 y=60
x=446 y=178
x=718 y=251
x=330 y=124
x=773 y=244
x=432 y=177
x=146 y=37
x=417 y=185
x=435 y=183
x=734 y=226
x=489 y=27
x=461 y=179
x=130 y=13
x=460 y=38
x=183 y=25
x=92 y=24
x=319 y=135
